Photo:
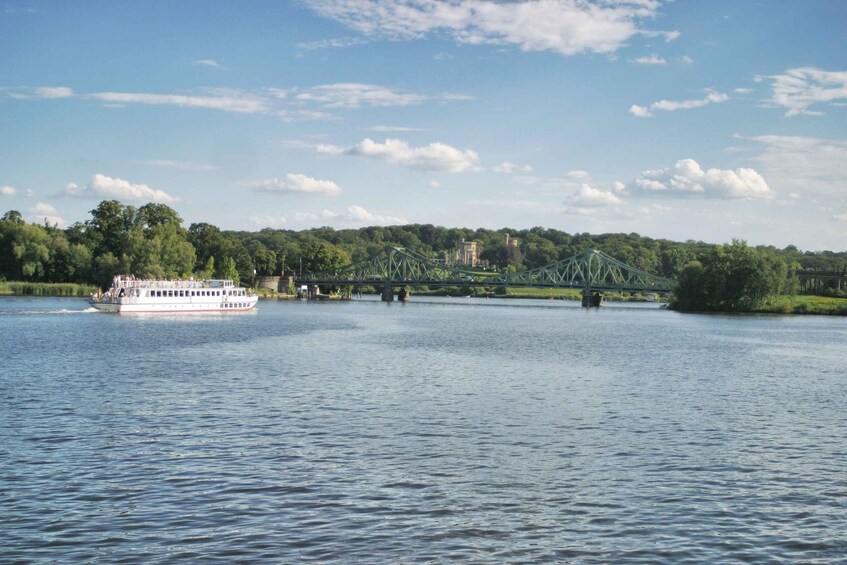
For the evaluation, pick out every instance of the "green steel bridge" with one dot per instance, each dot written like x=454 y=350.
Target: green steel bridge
x=397 y=267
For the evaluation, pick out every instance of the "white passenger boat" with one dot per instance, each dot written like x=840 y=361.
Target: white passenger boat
x=130 y=295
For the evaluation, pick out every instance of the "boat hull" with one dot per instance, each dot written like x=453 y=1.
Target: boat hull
x=124 y=306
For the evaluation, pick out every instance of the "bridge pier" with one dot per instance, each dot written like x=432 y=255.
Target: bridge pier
x=403 y=294
x=590 y=300
x=387 y=293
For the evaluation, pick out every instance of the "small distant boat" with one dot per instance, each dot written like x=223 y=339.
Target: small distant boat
x=130 y=295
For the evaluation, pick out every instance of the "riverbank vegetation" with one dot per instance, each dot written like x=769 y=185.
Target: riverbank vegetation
x=804 y=304
x=151 y=242
x=45 y=289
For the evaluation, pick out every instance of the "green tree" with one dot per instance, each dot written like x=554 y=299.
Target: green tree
x=208 y=270
x=265 y=261
x=210 y=241
x=110 y=225
x=25 y=251
x=319 y=256
x=228 y=270
x=69 y=262
x=13 y=216
x=690 y=294
x=733 y=278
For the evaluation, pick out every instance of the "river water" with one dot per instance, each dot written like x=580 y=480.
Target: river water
x=463 y=430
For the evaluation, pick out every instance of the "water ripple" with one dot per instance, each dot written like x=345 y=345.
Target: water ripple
x=364 y=432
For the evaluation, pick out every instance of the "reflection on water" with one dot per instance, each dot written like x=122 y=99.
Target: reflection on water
x=439 y=430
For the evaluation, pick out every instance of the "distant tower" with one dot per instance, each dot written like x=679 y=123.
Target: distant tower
x=466 y=253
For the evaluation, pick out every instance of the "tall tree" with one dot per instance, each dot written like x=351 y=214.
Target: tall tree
x=733 y=278
x=321 y=256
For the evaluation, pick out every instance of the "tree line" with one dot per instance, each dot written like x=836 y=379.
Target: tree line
x=150 y=241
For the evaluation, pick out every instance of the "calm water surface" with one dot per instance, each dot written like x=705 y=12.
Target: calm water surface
x=477 y=431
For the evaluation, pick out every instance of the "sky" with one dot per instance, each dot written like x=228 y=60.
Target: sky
x=686 y=120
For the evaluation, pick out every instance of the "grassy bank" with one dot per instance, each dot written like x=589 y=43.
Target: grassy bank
x=549 y=293
x=806 y=304
x=267 y=293
x=45 y=289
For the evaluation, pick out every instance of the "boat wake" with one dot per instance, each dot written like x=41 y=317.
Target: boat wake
x=46 y=312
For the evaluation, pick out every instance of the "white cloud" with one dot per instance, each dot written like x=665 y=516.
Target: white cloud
x=743 y=90
x=588 y=196
x=181 y=165
x=567 y=27
x=43 y=209
x=224 y=100
x=356 y=95
x=808 y=166
x=7 y=190
x=599 y=214
x=44 y=92
x=102 y=186
x=507 y=168
x=434 y=184
x=208 y=63
x=286 y=104
x=579 y=174
x=798 y=89
x=840 y=217
x=297 y=183
x=686 y=178
x=686 y=59
x=356 y=213
x=393 y=129
x=433 y=157
x=54 y=92
x=267 y=221
x=526 y=206
x=337 y=43
x=650 y=60
x=640 y=111
x=671 y=106
x=42 y=212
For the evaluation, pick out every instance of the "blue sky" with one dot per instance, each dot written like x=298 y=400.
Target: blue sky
x=682 y=120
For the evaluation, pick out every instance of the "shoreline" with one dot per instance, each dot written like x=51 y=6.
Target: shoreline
x=801 y=304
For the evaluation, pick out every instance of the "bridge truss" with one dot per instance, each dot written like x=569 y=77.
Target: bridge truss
x=590 y=270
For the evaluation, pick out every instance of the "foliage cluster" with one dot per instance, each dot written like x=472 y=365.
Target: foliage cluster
x=733 y=278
